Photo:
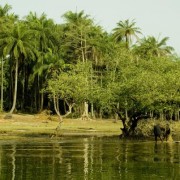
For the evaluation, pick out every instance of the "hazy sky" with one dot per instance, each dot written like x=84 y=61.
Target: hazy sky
x=159 y=18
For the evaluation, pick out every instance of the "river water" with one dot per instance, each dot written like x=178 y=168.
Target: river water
x=87 y=158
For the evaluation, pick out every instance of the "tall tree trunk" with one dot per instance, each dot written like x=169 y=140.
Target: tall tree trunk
x=38 y=93
x=11 y=86
x=2 y=71
x=127 y=41
x=42 y=101
x=85 y=49
x=23 y=88
x=82 y=48
x=26 y=96
x=35 y=95
x=15 y=88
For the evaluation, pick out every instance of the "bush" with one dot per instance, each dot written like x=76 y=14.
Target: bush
x=145 y=127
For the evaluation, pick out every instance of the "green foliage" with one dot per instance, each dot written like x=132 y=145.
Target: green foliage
x=71 y=84
x=78 y=61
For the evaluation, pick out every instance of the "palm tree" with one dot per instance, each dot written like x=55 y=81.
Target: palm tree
x=6 y=22
x=76 y=18
x=151 y=46
x=44 y=31
x=5 y=17
x=124 y=31
x=5 y=10
x=17 y=42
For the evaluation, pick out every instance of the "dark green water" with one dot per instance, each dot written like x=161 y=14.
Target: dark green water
x=79 y=158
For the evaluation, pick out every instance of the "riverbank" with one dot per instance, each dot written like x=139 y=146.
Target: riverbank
x=25 y=125
x=38 y=125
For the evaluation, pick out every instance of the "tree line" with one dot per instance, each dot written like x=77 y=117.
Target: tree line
x=77 y=69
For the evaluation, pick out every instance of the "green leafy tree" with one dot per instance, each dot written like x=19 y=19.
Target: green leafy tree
x=71 y=85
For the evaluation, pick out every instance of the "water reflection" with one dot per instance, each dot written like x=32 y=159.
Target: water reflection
x=165 y=152
x=88 y=158
x=13 y=161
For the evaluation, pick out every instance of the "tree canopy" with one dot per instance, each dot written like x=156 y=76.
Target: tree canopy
x=61 y=66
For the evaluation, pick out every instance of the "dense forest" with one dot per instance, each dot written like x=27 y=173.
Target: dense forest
x=78 y=69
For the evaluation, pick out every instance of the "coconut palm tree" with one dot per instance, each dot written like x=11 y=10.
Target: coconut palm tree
x=18 y=43
x=3 y=13
x=125 y=31
x=76 y=18
x=5 y=17
x=45 y=32
x=151 y=46
x=6 y=22
x=5 y=10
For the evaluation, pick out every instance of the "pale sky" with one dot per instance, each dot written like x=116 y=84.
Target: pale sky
x=159 y=18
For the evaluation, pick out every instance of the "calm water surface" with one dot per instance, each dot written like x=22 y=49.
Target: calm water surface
x=79 y=158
